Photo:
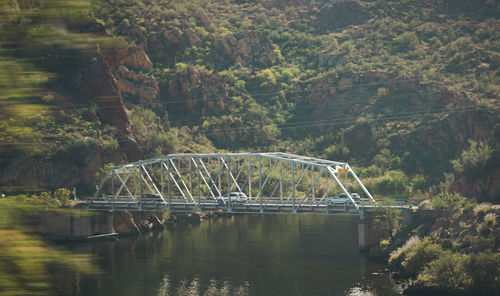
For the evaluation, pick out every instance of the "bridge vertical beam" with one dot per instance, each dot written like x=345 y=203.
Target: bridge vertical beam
x=312 y=187
x=190 y=175
x=197 y=164
x=250 y=177
x=293 y=187
x=168 y=184
x=140 y=187
x=229 y=180
x=113 y=188
x=260 y=184
x=218 y=189
x=326 y=188
x=312 y=178
x=281 y=179
x=198 y=182
x=161 y=179
x=219 y=176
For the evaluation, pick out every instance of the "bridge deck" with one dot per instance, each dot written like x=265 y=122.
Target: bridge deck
x=253 y=206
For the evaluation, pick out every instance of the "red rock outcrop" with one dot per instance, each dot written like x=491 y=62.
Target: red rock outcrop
x=123 y=222
x=139 y=85
x=124 y=62
x=196 y=83
x=248 y=48
x=485 y=187
x=98 y=85
x=340 y=14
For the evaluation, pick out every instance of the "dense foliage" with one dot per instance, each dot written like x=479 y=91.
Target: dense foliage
x=398 y=88
x=372 y=83
x=26 y=259
x=454 y=252
x=403 y=90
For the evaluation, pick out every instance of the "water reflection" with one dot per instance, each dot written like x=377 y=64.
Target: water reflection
x=195 y=287
x=242 y=255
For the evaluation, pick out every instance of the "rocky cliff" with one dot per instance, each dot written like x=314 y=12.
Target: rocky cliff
x=100 y=77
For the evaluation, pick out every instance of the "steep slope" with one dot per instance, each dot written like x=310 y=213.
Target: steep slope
x=386 y=85
x=416 y=77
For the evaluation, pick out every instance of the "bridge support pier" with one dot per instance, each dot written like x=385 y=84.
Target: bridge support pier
x=368 y=236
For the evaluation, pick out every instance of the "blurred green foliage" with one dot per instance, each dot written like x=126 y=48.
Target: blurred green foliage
x=25 y=257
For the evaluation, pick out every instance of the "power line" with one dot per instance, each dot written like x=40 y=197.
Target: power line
x=305 y=124
x=184 y=101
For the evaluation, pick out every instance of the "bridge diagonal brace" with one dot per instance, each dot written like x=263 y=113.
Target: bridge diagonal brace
x=277 y=186
x=203 y=177
x=247 y=178
x=175 y=182
x=268 y=174
x=144 y=179
x=125 y=185
x=121 y=186
x=183 y=183
x=238 y=176
x=231 y=174
x=332 y=173
x=152 y=182
x=327 y=189
x=311 y=188
x=361 y=184
x=298 y=182
x=210 y=177
x=102 y=184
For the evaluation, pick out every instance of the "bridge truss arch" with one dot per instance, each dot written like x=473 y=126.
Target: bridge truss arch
x=273 y=182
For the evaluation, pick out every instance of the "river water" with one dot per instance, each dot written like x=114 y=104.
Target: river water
x=239 y=255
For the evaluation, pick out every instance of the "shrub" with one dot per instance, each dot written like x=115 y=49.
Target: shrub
x=481 y=209
x=181 y=68
x=397 y=256
x=406 y=41
x=446 y=200
x=387 y=221
x=447 y=271
x=484 y=269
x=420 y=255
x=490 y=219
x=473 y=160
x=384 y=243
x=382 y=91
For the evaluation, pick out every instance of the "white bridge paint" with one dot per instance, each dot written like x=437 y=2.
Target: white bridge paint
x=274 y=182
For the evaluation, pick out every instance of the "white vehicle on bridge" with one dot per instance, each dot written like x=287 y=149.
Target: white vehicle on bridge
x=341 y=198
x=236 y=197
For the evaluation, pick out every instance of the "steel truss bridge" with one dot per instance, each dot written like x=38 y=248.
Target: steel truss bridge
x=274 y=183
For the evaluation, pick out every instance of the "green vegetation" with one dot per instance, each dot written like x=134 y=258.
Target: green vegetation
x=474 y=161
x=405 y=91
x=26 y=258
x=455 y=250
x=374 y=88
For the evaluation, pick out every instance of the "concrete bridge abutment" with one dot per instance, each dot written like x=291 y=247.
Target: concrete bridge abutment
x=369 y=235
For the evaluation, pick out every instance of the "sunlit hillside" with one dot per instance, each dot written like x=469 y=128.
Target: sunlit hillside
x=397 y=88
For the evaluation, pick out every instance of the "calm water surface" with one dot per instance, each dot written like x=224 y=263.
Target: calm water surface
x=241 y=255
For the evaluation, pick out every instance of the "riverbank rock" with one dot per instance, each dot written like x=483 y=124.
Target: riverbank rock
x=123 y=222
x=183 y=217
x=147 y=221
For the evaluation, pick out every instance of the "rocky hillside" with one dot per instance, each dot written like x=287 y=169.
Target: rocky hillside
x=385 y=85
x=452 y=251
